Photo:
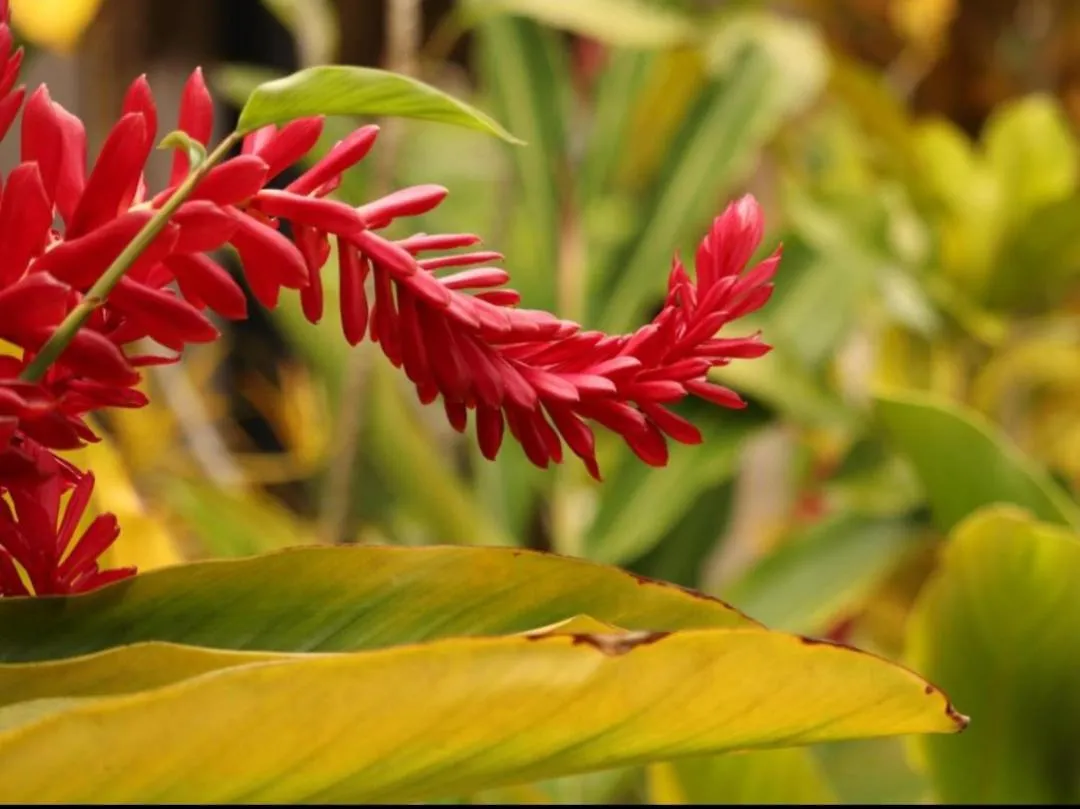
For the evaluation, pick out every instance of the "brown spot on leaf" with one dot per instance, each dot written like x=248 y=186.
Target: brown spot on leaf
x=614 y=645
x=929 y=689
x=961 y=721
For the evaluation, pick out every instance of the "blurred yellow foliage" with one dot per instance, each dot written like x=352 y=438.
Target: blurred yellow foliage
x=144 y=540
x=923 y=23
x=53 y=24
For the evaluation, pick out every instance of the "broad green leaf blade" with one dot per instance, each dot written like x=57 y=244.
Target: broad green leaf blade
x=622 y=23
x=812 y=577
x=350 y=598
x=786 y=776
x=964 y=464
x=344 y=90
x=476 y=712
x=997 y=626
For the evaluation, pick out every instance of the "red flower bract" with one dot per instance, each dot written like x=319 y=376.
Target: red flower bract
x=435 y=304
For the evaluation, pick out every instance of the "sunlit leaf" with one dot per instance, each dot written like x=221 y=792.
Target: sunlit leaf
x=344 y=90
x=321 y=728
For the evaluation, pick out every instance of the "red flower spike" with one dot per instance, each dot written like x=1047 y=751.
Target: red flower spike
x=342 y=156
x=9 y=108
x=25 y=219
x=114 y=177
x=204 y=279
x=282 y=148
x=457 y=335
x=270 y=260
x=229 y=183
x=196 y=119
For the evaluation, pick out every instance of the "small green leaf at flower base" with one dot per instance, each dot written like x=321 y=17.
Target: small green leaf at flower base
x=344 y=90
x=182 y=141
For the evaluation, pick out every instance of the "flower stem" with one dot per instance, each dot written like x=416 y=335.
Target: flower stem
x=99 y=292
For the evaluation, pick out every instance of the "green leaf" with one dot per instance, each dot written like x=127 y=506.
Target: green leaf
x=786 y=776
x=447 y=717
x=349 y=598
x=997 y=626
x=622 y=23
x=964 y=464
x=815 y=575
x=343 y=90
x=183 y=142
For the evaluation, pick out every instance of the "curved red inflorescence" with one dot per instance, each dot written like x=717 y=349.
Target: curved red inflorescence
x=437 y=307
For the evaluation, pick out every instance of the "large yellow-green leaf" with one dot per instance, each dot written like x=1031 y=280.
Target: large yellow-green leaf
x=447 y=717
x=784 y=776
x=347 y=90
x=997 y=626
x=964 y=464
x=348 y=598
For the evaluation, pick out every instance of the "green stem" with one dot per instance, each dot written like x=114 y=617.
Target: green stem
x=99 y=292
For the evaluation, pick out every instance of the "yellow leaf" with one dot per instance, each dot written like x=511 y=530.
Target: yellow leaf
x=144 y=540
x=445 y=718
x=53 y=24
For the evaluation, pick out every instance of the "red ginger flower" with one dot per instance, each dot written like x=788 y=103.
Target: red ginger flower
x=41 y=539
x=447 y=320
